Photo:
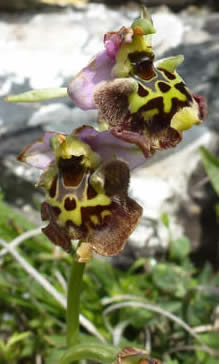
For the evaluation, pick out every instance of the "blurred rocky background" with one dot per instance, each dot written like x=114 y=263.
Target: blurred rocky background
x=43 y=43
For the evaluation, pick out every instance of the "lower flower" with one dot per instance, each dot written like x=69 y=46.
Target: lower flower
x=86 y=196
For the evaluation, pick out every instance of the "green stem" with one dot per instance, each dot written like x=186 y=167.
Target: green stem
x=73 y=303
x=96 y=352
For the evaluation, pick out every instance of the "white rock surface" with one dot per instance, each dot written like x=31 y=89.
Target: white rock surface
x=169 y=32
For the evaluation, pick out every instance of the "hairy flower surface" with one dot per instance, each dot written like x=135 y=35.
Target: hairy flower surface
x=86 y=190
x=141 y=101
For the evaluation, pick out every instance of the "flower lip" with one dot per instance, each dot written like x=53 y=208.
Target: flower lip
x=86 y=185
x=102 y=214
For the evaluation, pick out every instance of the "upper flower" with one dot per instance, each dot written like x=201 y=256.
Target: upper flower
x=141 y=101
x=86 y=189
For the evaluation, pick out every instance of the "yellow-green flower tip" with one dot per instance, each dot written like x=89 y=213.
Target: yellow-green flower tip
x=185 y=118
x=171 y=63
x=143 y=27
x=67 y=146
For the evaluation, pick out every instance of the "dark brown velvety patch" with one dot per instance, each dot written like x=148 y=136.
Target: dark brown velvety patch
x=145 y=70
x=56 y=210
x=57 y=234
x=142 y=91
x=111 y=98
x=170 y=138
x=86 y=212
x=136 y=57
x=70 y=204
x=52 y=191
x=109 y=238
x=91 y=193
x=116 y=178
x=161 y=120
x=168 y=74
x=164 y=87
x=71 y=170
x=181 y=87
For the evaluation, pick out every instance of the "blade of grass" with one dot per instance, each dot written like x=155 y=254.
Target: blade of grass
x=49 y=288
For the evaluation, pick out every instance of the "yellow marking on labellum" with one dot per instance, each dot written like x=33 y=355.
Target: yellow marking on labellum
x=123 y=65
x=148 y=115
x=95 y=219
x=136 y=101
x=185 y=118
x=101 y=199
x=105 y=213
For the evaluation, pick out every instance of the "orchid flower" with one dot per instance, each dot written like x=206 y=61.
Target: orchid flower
x=86 y=189
x=140 y=101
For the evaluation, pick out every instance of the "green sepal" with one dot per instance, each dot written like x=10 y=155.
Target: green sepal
x=101 y=353
x=145 y=25
x=145 y=22
x=171 y=63
x=38 y=95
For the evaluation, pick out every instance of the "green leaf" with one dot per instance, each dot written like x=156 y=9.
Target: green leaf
x=165 y=219
x=54 y=356
x=205 y=275
x=17 y=338
x=210 y=339
x=170 y=361
x=172 y=278
x=180 y=248
x=211 y=165
x=38 y=95
x=99 y=353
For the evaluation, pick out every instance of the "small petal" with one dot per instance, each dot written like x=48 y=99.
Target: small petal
x=39 y=154
x=114 y=40
x=171 y=63
x=82 y=87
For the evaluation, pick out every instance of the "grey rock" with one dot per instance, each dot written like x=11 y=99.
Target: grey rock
x=74 y=118
x=55 y=113
x=165 y=38
x=212 y=24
